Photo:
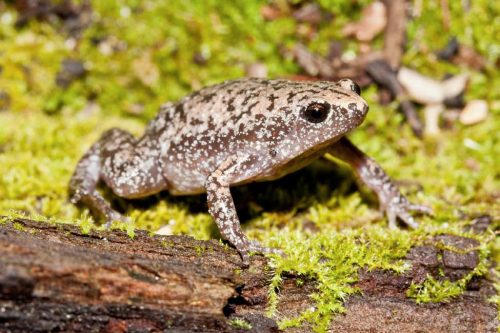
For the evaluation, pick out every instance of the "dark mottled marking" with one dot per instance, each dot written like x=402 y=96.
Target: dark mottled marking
x=230 y=104
x=179 y=110
x=208 y=97
x=248 y=97
x=196 y=122
x=312 y=91
x=340 y=92
x=195 y=94
x=352 y=106
x=240 y=114
x=240 y=92
x=251 y=106
x=291 y=95
x=271 y=99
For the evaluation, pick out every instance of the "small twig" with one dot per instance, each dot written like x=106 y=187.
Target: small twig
x=395 y=31
x=313 y=64
x=333 y=67
x=445 y=10
x=382 y=74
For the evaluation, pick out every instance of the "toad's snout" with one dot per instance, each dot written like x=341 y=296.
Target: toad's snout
x=365 y=108
x=360 y=109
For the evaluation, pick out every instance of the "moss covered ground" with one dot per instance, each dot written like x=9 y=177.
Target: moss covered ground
x=139 y=54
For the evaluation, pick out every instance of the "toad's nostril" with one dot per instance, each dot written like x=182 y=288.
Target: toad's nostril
x=365 y=108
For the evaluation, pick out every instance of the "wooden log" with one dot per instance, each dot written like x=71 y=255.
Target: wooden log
x=56 y=278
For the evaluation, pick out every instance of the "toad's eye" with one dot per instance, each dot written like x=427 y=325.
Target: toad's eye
x=316 y=112
x=356 y=88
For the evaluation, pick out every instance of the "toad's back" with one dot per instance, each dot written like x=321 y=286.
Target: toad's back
x=200 y=131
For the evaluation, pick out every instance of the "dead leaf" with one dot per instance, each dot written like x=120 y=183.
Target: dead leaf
x=421 y=88
x=146 y=70
x=309 y=13
x=257 y=70
x=455 y=85
x=312 y=64
x=270 y=13
x=373 y=21
x=469 y=57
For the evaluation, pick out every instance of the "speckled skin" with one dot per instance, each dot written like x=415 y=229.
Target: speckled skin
x=233 y=133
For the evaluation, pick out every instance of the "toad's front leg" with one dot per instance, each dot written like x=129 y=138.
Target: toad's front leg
x=221 y=205
x=391 y=200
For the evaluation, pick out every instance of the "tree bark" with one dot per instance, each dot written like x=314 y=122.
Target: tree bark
x=54 y=278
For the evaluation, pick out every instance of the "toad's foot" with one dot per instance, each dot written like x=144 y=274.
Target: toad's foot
x=399 y=207
x=254 y=246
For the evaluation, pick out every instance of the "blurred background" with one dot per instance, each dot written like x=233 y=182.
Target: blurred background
x=128 y=57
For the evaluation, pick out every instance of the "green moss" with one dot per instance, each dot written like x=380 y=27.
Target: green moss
x=19 y=226
x=153 y=57
x=86 y=223
x=129 y=228
x=200 y=250
x=167 y=244
x=443 y=290
x=240 y=323
x=328 y=229
x=432 y=290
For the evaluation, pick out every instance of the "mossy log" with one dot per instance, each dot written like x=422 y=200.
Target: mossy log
x=55 y=278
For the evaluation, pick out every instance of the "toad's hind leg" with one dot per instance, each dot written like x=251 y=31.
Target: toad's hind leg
x=130 y=167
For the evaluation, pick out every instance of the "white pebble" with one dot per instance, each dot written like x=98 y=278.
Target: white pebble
x=166 y=230
x=474 y=112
